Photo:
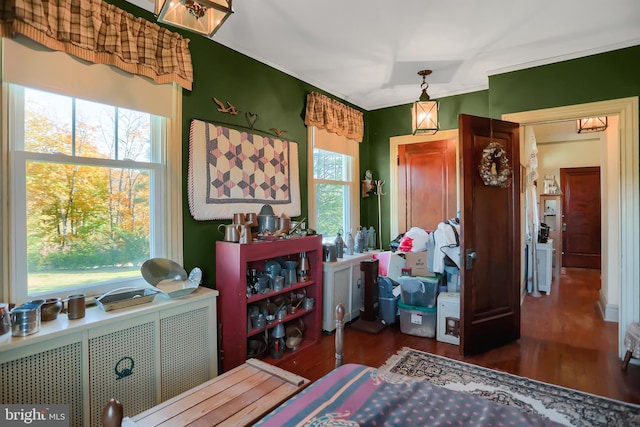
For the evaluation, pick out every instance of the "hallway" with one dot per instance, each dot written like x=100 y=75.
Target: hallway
x=564 y=341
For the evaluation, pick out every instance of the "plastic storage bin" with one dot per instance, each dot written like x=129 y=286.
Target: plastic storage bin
x=419 y=291
x=453 y=278
x=420 y=321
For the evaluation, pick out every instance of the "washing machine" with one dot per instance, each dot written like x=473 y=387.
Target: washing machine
x=448 y=323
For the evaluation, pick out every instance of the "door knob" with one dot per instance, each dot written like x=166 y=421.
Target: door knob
x=471 y=255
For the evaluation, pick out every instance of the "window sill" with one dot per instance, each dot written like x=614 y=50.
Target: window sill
x=95 y=317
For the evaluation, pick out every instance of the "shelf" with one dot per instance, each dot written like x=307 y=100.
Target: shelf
x=300 y=313
x=288 y=353
x=232 y=263
x=295 y=286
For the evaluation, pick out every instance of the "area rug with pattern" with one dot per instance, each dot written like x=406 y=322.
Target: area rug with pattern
x=562 y=405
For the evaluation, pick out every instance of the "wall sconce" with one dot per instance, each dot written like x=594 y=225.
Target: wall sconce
x=367 y=183
x=424 y=114
x=592 y=124
x=201 y=16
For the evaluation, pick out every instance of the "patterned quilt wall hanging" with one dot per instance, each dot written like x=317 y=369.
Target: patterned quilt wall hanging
x=235 y=171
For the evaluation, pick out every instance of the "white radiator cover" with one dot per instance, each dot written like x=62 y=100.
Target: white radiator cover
x=167 y=346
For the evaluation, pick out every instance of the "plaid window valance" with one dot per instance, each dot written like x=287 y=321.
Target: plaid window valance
x=329 y=114
x=101 y=33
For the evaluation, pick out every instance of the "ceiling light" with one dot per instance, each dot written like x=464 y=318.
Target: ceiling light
x=424 y=115
x=591 y=124
x=201 y=16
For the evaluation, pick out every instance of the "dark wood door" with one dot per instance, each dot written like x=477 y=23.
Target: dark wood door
x=426 y=184
x=581 y=239
x=490 y=234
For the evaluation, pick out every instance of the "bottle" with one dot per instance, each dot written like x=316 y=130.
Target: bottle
x=365 y=239
x=372 y=238
x=339 y=242
x=359 y=247
x=350 y=244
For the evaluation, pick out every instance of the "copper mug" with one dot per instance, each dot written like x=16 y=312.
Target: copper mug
x=251 y=219
x=76 y=306
x=231 y=232
x=239 y=218
x=245 y=234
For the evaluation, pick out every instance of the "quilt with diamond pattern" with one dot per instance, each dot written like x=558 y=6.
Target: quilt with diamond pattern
x=234 y=171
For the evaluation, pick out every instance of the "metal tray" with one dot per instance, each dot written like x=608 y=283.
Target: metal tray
x=114 y=301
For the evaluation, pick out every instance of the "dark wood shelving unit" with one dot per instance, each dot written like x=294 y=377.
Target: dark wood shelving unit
x=232 y=262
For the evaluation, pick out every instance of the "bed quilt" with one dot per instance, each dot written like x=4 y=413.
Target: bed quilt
x=357 y=395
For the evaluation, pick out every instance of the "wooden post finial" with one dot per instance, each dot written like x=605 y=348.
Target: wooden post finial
x=339 y=334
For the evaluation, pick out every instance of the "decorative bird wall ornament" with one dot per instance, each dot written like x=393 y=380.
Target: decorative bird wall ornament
x=229 y=108
x=278 y=132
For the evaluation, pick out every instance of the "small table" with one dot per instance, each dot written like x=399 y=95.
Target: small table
x=632 y=343
x=236 y=398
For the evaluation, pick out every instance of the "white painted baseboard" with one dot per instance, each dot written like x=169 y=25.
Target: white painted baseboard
x=609 y=312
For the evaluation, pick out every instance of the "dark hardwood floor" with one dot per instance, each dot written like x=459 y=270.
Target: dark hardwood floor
x=564 y=341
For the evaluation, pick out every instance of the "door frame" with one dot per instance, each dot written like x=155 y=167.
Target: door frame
x=393 y=168
x=622 y=269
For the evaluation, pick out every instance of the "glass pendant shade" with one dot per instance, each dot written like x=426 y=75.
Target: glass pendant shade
x=201 y=16
x=592 y=124
x=424 y=117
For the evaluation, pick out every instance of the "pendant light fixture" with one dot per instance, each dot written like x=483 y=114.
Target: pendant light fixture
x=592 y=124
x=201 y=16
x=424 y=114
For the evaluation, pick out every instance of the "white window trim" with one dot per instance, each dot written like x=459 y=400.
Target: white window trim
x=354 y=188
x=170 y=201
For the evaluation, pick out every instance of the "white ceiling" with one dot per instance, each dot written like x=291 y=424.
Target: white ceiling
x=368 y=52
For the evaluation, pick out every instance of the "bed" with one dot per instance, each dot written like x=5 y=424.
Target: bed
x=358 y=395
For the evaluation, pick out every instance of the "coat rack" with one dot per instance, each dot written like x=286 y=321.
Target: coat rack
x=374 y=185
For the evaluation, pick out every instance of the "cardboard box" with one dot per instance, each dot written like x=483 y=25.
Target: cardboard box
x=417 y=261
x=390 y=264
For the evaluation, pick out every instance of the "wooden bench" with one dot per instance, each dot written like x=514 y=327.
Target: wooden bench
x=239 y=397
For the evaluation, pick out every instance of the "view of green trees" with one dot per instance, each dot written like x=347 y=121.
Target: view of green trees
x=330 y=172
x=80 y=217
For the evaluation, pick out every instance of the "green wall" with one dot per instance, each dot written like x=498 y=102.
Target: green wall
x=396 y=121
x=279 y=101
x=606 y=76
x=251 y=86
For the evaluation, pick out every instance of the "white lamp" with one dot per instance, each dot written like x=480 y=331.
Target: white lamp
x=424 y=114
x=201 y=16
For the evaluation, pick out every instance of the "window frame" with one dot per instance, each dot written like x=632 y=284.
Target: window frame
x=166 y=227
x=320 y=138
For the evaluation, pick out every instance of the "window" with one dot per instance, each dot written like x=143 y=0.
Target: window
x=333 y=196
x=83 y=178
x=92 y=170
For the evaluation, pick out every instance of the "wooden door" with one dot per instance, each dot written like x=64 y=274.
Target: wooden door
x=490 y=239
x=581 y=239
x=426 y=184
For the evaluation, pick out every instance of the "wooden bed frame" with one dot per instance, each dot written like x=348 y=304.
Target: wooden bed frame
x=339 y=335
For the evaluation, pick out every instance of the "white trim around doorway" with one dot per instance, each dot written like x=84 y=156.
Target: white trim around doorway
x=623 y=269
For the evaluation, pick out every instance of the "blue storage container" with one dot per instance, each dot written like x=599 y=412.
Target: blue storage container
x=385 y=287
x=420 y=291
